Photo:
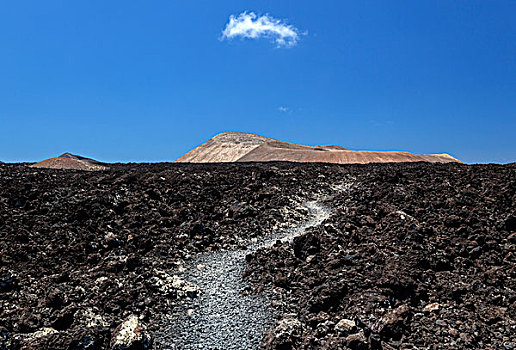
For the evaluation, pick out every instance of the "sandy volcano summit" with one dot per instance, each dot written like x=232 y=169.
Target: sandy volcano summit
x=70 y=161
x=245 y=147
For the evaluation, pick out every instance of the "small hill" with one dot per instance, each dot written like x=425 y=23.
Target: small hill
x=245 y=147
x=70 y=161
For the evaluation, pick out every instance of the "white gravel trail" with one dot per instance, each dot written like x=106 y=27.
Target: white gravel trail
x=221 y=317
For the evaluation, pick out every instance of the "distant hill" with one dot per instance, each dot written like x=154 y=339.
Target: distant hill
x=245 y=147
x=70 y=161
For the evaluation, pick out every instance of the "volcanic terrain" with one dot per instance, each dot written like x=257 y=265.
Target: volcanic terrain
x=70 y=161
x=148 y=256
x=245 y=147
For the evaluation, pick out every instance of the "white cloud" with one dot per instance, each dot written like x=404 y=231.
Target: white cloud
x=249 y=25
x=283 y=109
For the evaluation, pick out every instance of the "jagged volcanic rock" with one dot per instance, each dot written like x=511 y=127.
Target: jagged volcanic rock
x=70 y=161
x=245 y=147
x=415 y=255
x=82 y=251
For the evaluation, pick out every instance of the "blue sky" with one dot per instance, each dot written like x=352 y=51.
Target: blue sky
x=149 y=80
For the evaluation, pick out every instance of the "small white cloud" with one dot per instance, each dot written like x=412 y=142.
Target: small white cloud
x=283 y=109
x=249 y=25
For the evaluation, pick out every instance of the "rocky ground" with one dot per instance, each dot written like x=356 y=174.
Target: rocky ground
x=225 y=315
x=87 y=257
x=413 y=256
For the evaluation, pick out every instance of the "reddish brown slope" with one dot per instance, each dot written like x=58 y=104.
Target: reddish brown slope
x=243 y=147
x=225 y=147
x=70 y=161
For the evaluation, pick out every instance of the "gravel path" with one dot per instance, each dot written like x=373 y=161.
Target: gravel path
x=221 y=317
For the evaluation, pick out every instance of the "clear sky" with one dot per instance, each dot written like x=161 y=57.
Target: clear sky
x=149 y=80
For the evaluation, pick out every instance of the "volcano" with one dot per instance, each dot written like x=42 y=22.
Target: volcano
x=70 y=161
x=244 y=147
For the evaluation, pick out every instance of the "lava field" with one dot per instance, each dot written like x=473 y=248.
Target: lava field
x=412 y=256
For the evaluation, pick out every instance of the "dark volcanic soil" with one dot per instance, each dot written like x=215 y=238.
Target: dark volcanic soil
x=413 y=255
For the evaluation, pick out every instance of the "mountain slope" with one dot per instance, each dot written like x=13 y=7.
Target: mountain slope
x=244 y=147
x=70 y=161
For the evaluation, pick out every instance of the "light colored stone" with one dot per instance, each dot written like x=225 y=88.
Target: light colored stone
x=128 y=333
x=345 y=325
x=44 y=332
x=431 y=307
x=168 y=284
x=185 y=288
x=92 y=319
